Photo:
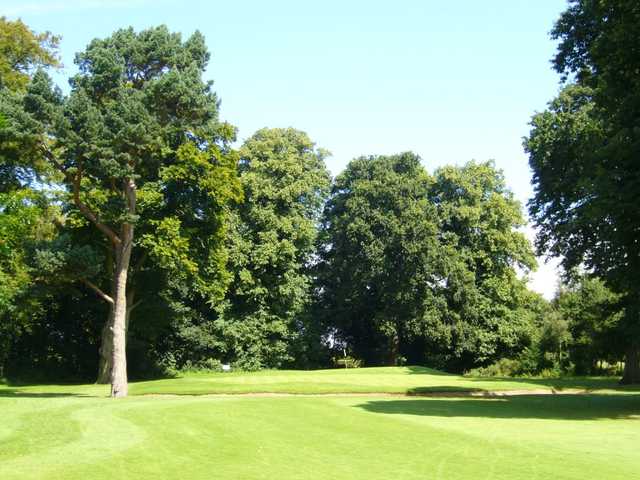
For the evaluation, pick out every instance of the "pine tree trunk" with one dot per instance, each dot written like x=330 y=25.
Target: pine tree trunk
x=106 y=338
x=119 y=386
x=106 y=341
x=631 y=373
x=118 y=327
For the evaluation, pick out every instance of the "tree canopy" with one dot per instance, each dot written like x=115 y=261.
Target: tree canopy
x=22 y=52
x=592 y=315
x=26 y=215
x=138 y=145
x=584 y=153
x=137 y=239
x=272 y=246
x=421 y=268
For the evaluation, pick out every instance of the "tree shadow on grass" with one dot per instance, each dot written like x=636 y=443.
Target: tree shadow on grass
x=446 y=390
x=580 y=383
x=29 y=390
x=418 y=370
x=17 y=393
x=557 y=407
x=562 y=383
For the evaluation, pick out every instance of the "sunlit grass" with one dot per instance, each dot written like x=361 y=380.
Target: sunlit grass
x=76 y=432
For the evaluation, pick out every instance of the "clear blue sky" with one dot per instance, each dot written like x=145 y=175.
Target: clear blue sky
x=449 y=80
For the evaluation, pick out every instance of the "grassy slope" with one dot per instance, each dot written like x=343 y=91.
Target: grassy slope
x=63 y=432
x=364 y=380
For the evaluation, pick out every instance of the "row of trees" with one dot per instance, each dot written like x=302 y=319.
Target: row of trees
x=131 y=228
x=128 y=216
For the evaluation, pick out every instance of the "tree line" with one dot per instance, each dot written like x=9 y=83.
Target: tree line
x=136 y=239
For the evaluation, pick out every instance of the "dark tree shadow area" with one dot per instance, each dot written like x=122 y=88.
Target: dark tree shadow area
x=444 y=389
x=582 y=383
x=558 y=407
x=29 y=390
x=17 y=393
x=418 y=370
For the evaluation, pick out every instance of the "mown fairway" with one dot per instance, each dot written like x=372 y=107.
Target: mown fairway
x=70 y=432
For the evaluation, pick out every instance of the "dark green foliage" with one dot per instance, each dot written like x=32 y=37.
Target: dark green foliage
x=252 y=258
x=422 y=268
x=489 y=311
x=62 y=343
x=25 y=220
x=592 y=314
x=137 y=142
x=576 y=333
x=555 y=336
x=380 y=257
x=584 y=152
x=25 y=214
x=271 y=248
x=598 y=45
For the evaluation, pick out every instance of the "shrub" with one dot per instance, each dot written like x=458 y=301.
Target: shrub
x=204 y=365
x=347 y=362
x=504 y=367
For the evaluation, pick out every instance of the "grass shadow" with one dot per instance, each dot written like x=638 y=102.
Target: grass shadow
x=444 y=389
x=557 y=407
x=563 y=383
x=418 y=370
x=17 y=393
x=18 y=389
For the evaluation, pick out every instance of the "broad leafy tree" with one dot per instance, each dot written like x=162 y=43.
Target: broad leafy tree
x=26 y=218
x=272 y=245
x=22 y=51
x=421 y=268
x=26 y=215
x=380 y=256
x=584 y=151
x=487 y=310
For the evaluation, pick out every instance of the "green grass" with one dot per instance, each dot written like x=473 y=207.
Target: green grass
x=404 y=380
x=75 y=432
x=362 y=380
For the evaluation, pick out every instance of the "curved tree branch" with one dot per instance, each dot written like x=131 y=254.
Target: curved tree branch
x=97 y=289
x=89 y=214
x=84 y=209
